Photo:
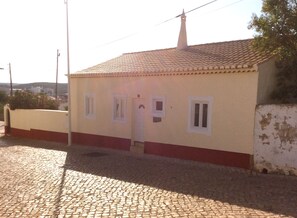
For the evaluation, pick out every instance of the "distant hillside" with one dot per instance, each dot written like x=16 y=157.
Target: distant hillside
x=62 y=87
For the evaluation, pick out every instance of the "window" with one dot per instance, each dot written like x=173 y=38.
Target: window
x=89 y=105
x=119 y=108
x=158 y=106
x=200 y=114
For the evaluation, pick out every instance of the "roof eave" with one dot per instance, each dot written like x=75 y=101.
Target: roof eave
x=192 y=71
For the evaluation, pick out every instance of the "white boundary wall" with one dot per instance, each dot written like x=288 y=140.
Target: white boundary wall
x=275 y=139
x=47 y=120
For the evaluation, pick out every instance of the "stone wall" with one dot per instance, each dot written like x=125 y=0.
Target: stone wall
x=275 y=139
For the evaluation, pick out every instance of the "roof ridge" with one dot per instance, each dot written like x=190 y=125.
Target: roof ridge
x=223 y=42
x=145 y=51
x=202 y=44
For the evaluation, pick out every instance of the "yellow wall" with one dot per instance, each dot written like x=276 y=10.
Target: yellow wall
x=234 y=101
x=48 y=120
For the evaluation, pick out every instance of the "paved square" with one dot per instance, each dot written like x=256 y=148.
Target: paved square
x=43 y=179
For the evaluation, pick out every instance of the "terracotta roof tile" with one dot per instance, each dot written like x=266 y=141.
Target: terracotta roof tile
x=213 y=56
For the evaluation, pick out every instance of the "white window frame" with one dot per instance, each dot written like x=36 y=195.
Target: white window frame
x=155 y=112
x=191 y=120
x=89 y=105
x=119 y=108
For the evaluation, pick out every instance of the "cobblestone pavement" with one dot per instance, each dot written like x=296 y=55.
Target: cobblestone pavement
x=43 y=179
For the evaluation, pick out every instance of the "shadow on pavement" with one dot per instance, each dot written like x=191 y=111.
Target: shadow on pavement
x=271 y=193
x=6 y=141
x=276 y=194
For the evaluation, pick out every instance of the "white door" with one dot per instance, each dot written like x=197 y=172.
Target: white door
x=138 y=120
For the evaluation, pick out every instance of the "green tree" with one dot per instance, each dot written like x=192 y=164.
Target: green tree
x=3 y=102
x=277 y=33
x=3 y=97
x=29 y=100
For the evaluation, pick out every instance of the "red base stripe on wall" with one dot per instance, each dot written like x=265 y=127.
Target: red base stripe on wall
x=40 y=135
x=101 y=141
x=6 y=130
x=225 y=158
x=77 y=138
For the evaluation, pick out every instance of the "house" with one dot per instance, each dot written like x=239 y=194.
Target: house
x=190 y=102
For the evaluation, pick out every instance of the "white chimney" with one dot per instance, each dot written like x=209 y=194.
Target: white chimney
x=182 y=39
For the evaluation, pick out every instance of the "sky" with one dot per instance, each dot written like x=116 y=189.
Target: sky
x=31 y=31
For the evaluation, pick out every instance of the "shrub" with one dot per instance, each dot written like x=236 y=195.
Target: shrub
x=29 y=100
x=3 y=97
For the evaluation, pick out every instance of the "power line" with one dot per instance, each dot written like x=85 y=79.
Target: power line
x=201 y=6
x=133 y=34
x=226 y=6
x=119 y=39
x=165 y=21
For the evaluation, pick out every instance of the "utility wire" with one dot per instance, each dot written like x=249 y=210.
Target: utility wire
x=119 y=39
x=201 y=6
x=135 y=33
x=226 y=6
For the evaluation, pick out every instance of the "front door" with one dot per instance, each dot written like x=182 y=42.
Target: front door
x=138 y=121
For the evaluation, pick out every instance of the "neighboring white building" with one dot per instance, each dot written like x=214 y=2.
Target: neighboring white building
x=39 y=89
x=36 y=89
